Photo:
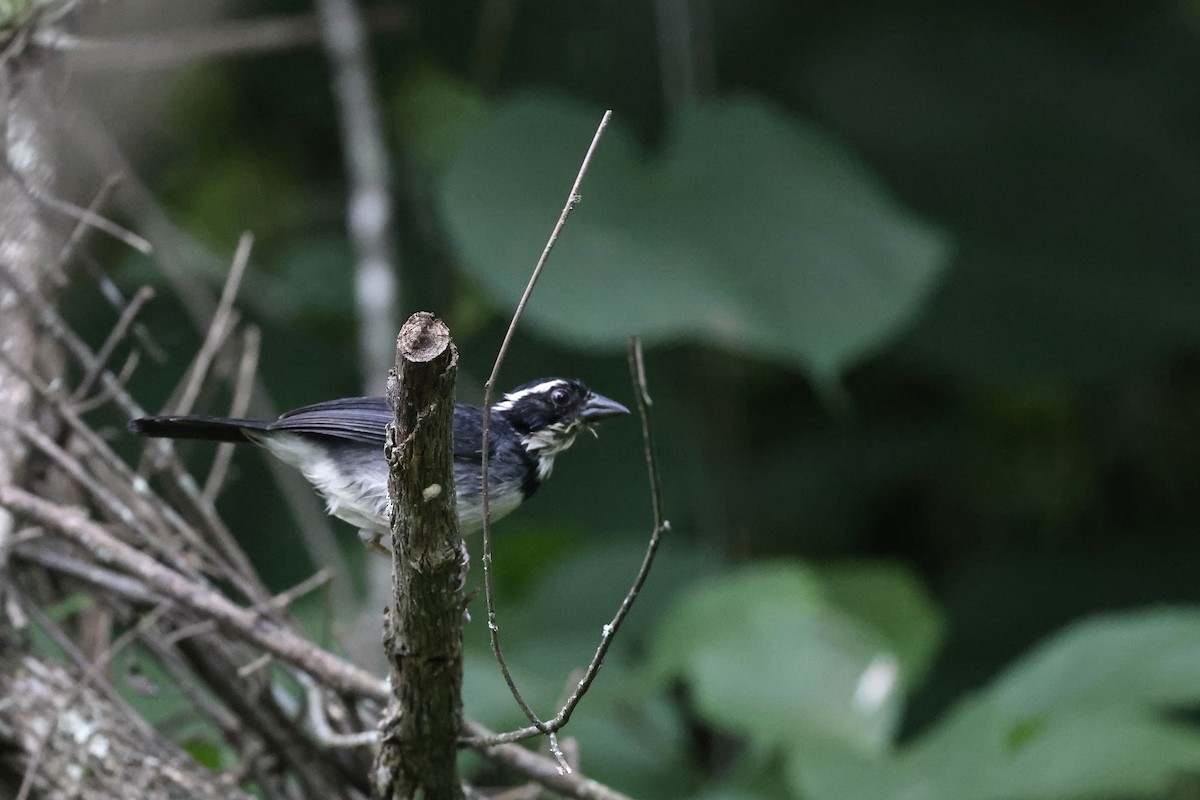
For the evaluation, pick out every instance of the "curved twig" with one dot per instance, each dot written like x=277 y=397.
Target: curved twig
x=488 y=583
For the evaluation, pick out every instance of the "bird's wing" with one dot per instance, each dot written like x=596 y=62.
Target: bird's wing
x=468 y=433
x=356 y=419
x=365 y=419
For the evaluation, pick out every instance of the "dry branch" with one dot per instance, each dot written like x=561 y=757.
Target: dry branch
x=198 y=597
x=171 y=49
x=89 y=748
x=423 y=636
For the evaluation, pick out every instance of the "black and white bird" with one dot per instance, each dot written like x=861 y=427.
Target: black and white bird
x=338 y=446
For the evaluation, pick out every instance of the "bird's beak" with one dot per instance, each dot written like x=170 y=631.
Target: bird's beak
x=599 y=407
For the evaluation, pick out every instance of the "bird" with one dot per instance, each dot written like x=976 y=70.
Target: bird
x=338 y=446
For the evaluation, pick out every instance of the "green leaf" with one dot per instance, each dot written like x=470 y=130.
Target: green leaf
x=208 y=754
x=894 y=603
x=982 y=754
x=1079 y=717
x=70 y=606
x=766 y=652
x=750 y=230
x=1147 y=659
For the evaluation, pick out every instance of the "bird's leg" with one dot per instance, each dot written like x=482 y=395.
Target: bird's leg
x=372 y=540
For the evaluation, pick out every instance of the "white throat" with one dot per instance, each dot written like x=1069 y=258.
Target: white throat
x=549 y=442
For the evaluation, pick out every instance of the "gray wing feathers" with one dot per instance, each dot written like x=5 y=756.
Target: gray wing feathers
x=357 y=419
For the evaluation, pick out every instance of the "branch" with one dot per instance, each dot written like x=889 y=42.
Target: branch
x=124 y=323
x=130 y=574
x=488 y=587
x=183 y=261
x=90 y=748
x=196 y=596
x=223 y=321
x=423 y=628
x=170 y=49
x=540 y=768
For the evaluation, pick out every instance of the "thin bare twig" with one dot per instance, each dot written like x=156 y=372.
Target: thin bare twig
x=115 y=298
x=244 y=622
x=310 y=584
x=254 y=666
x=115 y=337
x=184 y=262
x=276 y=603
x=637 y=370
x=178 y=48
x=489 y=386
x=218 y=329
x=106 y=394
x=36 y=552
x=81 y=227
x=369 y=210
x=83 y=215
x=97 y=221
x=319 y=722
x=242 y=388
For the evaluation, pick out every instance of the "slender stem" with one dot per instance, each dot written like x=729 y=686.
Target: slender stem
x=115 y=337
x=223 y=321
x=488 y=582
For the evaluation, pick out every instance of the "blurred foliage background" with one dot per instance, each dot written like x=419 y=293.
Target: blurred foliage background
x=919 y=285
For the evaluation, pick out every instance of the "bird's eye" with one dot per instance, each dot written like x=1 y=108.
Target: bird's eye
x=560 y=397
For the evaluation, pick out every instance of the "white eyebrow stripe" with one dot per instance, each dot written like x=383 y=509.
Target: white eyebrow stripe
x=512 y=398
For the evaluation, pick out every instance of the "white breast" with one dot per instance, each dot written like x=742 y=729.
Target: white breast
x=356 y=492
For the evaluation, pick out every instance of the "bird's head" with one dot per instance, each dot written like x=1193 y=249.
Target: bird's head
x=549 y=413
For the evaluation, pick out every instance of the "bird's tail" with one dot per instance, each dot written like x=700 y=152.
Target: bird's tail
x=213 y=429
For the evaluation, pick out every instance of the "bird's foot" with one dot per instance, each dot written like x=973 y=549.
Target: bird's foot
x=373 y=541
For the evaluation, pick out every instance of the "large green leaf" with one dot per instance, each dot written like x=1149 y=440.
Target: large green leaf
x=1080 y=717
x=979 y=754
x=768 y=652
x=749 y=229
x=1138 y=659
x=894 y=603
